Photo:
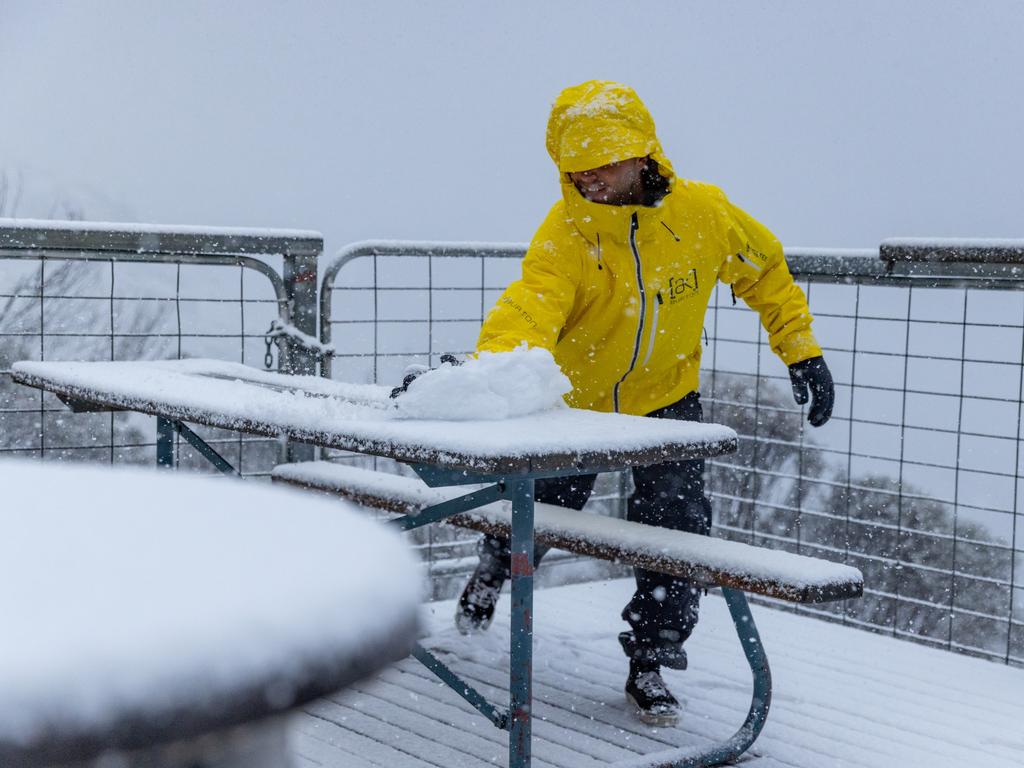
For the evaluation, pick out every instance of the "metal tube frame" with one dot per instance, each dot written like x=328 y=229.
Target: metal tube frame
x=165 y=430
x=517 y=719
x=295 y=292
x=224 y=260
x=396 y=248
x=300 y=283
x=451 y=507
x=284 y=305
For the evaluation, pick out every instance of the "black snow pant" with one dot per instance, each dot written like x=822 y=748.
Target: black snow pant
x=663 y=611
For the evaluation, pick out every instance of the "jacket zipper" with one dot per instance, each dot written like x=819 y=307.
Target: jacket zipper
x=654 y=328
x=634 y=225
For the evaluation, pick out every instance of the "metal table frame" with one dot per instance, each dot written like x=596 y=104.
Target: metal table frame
x=517 y=717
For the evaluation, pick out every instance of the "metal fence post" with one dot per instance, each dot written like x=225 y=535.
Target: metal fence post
x=300 y=280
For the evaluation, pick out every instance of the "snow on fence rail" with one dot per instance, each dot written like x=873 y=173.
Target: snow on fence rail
x=72 y=290
x=916 y=480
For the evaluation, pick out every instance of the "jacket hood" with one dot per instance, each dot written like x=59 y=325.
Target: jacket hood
x=596 y=123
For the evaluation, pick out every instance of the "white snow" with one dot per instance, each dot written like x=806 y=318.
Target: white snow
x=287 y=330
x=865 y=253
x=606 y=101
x=425 y=247
x=127 y=591
x=492 y=385
x=159 y=229
x=954 y=242
x=333 y=477
x=363 y=418
x=842 y=697
x=795 y=573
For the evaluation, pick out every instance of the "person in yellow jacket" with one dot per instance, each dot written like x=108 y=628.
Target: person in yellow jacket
x=616 y=283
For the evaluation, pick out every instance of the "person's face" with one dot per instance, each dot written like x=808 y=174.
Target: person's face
x=614 y=184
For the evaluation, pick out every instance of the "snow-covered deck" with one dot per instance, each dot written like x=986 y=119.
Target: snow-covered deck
x=842 y=697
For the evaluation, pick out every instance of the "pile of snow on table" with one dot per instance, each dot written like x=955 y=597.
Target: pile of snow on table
x=493 y=385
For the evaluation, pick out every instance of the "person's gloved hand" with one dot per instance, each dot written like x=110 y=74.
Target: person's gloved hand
x=813 y=374
x=413 y=372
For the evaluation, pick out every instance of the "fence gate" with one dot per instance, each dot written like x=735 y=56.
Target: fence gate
x=82 y=291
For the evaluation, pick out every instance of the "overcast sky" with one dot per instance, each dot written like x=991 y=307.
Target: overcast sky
x=837 y=124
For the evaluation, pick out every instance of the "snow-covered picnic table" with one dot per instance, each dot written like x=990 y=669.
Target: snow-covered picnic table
x=363 y=418
x=159 y=615
x=507 y=455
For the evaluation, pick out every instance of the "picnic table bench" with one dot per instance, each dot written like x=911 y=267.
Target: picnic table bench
x=502 y=460
x=717 y=562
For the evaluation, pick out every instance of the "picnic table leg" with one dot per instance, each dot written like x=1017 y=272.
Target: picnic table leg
x=521 y=641
x=164 y=443
x=761 y=698
x=165 y=430
x=732 y=748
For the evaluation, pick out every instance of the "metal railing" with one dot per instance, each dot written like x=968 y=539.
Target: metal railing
x=902 y=482
x=451 y=287
x=82 y=291
x=916 y=480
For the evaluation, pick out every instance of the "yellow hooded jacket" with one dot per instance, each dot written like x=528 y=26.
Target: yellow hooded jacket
x=618 y=293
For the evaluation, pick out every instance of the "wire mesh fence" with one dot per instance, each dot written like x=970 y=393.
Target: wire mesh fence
x=915 y=480
x=101 y=303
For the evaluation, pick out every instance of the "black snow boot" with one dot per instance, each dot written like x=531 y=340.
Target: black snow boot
x=654 y=702
x=476 y=603
x=479 y=597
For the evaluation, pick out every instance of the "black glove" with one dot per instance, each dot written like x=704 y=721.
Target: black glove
x=413 y=372
x=815 y=374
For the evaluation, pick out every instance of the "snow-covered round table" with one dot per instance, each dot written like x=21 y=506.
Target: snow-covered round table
x=161 y=615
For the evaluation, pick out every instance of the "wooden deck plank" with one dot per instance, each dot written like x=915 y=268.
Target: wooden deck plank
x=719 y=686
x=311 y=749
x=563 y=708
x=577 y=698
x=339 y=738
x=549 y=739
x=391 y=735
x=842 y=696
x=561 y=732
